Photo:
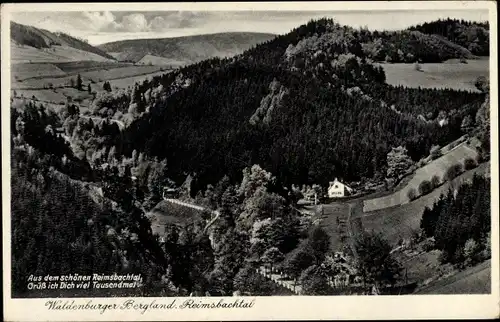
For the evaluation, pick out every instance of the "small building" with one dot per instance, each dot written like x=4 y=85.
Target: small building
x=337 y=189
x=170 y=193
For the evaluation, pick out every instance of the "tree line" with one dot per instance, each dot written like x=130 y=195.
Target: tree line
x=460 y=223
x=471 y=35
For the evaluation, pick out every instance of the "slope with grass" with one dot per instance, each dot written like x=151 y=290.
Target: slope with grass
x=25 y=71
x=334 y=219
x=24 y=35
x=160 y=61
x=92 y=76
x=125 y=82
x=186 y=50
x=56 y=53
x=166 y=213
x=437 y=167
x=400 y=222
x=473 y=280
x=451 y=74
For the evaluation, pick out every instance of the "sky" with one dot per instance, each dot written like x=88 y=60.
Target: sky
x=99 y=27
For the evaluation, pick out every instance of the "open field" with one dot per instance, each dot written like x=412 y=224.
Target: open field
x=401 y=221
x=474 y=280
x=85 y=66
x=46 y=95
x=127 y=74
x=334 y=219
x=115 y=73
x=122 y=83
x=27 y=54
x=57 y=96
x=437 y=167
x=159 y=61
x=452 y=74
x=168 y=213
x=423 y=266
x=24 y=71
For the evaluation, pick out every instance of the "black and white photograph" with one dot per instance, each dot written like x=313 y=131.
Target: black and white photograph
x=242 y=154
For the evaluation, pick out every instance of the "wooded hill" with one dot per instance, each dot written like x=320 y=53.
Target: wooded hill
x=188 y=49
x=308 y=106
x=473 y=36
x=41 y=38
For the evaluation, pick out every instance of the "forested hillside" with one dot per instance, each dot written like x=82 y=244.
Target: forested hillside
x=188 y=49
x=68 y=217
x=308 y=106
x=473 y=36
x=460 y=223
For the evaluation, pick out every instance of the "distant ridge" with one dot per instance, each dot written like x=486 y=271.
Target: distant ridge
x=42 y=45
x=186 y=49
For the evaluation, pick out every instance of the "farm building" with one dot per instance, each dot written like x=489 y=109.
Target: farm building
x=338 y=189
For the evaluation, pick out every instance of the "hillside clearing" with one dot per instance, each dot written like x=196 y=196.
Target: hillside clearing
x=85 y=66
x=24 y=71
x=27 y=54
x=474 y=280
x=400 y=222
x=122 y=83
x=45 y=95
x=334 y=219
x=437 y=167
x=452 y=75
x=158 y=61
x=423 y=266
x=168 y=213
x=116 y=73
x=95 y=76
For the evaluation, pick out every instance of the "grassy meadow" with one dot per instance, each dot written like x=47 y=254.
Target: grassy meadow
x=451 y=74
x=399 y=222
x=436 y=167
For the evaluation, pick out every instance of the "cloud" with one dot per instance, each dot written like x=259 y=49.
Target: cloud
x=101 y=21
x=103 y=26
x=134 y=22
x=141 y=22
x=173 y=21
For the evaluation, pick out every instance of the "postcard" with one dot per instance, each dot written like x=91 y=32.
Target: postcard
x=250 y=161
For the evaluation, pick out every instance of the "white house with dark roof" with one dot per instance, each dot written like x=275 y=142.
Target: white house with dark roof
x=337 y=189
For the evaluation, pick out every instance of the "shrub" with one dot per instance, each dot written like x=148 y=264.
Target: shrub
x=481 y=83
x=428 y=245
x=314 y=282
x=453 y=172
x=412 y=194
x=444 y=257
x=435 y=152
x=425 y=187
x=479 y=158
x=469 y=164
x=471 y=252
x=486 y=254
x=435 y=181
